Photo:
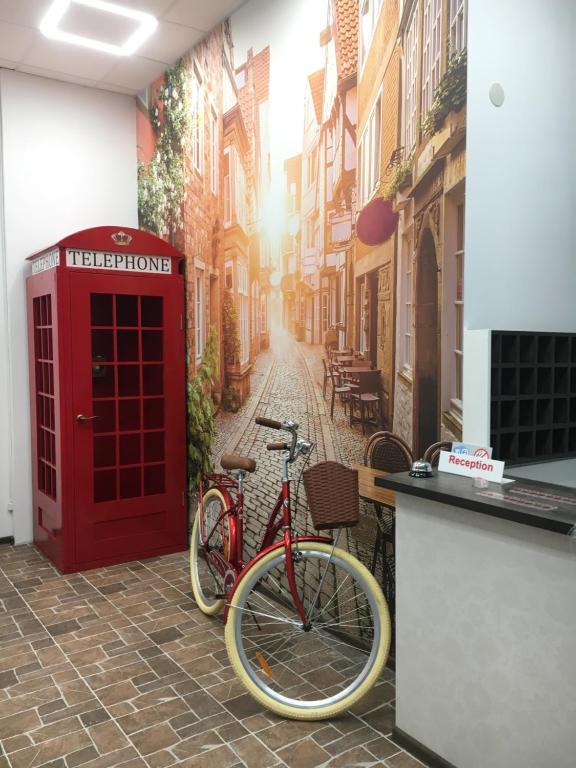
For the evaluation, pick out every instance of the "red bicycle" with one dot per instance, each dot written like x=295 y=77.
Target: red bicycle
x=307 y=627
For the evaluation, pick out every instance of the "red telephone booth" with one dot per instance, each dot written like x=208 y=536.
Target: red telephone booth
x=106 y=346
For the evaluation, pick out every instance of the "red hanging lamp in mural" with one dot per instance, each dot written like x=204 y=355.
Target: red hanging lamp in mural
x=376 y=222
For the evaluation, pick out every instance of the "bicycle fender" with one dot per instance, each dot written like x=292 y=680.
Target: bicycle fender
x=263 y=553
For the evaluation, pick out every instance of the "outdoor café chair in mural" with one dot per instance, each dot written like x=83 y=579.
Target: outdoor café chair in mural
x=432 y=453
x=389 y=453
x=325 y=365
x=338 y=388
x=367 y=396
x=330 y=340
x=307 y=626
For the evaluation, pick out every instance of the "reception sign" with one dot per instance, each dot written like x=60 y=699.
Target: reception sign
x=471 y=466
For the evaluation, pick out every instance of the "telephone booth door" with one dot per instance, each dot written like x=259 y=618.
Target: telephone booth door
x=107 y=377
x=125 y=349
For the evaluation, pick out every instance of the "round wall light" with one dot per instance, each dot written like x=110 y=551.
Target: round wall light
x=496 y=94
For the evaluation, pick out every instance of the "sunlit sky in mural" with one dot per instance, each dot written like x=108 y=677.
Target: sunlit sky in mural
x=291 y=28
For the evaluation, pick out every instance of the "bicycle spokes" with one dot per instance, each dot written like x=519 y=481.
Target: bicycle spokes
x=322 y=660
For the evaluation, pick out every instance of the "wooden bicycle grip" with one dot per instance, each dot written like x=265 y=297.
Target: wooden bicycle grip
x=268 y=423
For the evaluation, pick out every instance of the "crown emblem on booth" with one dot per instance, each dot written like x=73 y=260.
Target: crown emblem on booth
x=121 y=238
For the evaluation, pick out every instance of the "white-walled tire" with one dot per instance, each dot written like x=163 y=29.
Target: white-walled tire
x=316 y=672
x=206 y=582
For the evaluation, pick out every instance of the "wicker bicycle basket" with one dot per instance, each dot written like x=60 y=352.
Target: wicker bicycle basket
x=332 y=491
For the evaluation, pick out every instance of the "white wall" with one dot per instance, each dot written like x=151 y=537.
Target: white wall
x=520 y=271
x=5 y=441
x=68 y=163
x=520 y=266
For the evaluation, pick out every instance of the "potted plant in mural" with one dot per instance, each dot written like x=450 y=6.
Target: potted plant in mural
x=200 y=412
x=161 y=184
x=450 y=96
x=401 y=178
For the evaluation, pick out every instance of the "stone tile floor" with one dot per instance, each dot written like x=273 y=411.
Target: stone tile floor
x=117 y=667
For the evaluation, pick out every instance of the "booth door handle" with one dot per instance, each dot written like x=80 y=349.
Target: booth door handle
x=81 y=418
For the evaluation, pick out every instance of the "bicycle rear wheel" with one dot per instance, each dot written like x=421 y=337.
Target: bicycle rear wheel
x=316 y=671
x=207 y=582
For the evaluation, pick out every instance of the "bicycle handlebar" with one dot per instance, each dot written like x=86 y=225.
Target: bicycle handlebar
x=295 y=447
x=268 y=422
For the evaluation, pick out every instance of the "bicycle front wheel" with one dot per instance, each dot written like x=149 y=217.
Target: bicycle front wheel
x=210 y=532
x=319 y=669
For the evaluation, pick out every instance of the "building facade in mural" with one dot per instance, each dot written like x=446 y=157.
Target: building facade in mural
x=227 y=178
x=431 y=230
x=291 y=285
x=374 y=267
x=253 y=80
x=339 y=145
x=201 y=237
x=327 y=182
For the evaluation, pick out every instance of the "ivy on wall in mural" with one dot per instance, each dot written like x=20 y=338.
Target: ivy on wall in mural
x=450 y=96
x=200 y=406
x=231 y=333
x=161 y=184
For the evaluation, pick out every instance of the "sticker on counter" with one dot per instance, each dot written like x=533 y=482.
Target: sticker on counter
x=471 y=466
x=469 y=449
x=509 y=497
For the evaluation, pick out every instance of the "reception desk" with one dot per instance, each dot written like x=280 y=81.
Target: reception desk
x=485 y=621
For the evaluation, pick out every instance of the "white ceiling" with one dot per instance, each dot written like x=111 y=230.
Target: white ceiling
x=182 y=23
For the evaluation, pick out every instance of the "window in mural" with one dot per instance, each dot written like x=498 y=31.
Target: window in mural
x=227 y=188
x=199 y=312
x=369 y=12
x=255 y=309
x=363 y=330
x=458 y=25
x=406 y=305
x=263 y=314
x=459 y=309
x=370 y=147
x=411 y=80
x=197 y=121
x=242 y=273
x=229 y=275
x=213 y=151
x=312 y=173
x=324 y=312
x=431 y=52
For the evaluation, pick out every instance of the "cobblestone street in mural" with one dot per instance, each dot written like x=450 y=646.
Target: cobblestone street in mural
x=287 y=383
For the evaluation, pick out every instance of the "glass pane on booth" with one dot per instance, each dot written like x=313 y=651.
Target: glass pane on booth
x=128 y=395
x=101 y=309
x=45 y=401
x=151 y=309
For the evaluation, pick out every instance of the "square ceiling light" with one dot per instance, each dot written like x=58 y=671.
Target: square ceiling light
x=50 y=26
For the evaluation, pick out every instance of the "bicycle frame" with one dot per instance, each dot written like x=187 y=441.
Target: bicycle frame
x=279 y=519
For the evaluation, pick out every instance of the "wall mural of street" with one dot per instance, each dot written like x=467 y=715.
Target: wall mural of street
x=308 y=158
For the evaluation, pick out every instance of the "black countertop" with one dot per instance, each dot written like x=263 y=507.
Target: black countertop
x=529 y=502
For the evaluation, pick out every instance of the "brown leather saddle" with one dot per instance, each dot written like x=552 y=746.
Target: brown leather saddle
x=235 y=461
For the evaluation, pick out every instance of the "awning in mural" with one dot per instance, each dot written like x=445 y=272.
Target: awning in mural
x=377 y=221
